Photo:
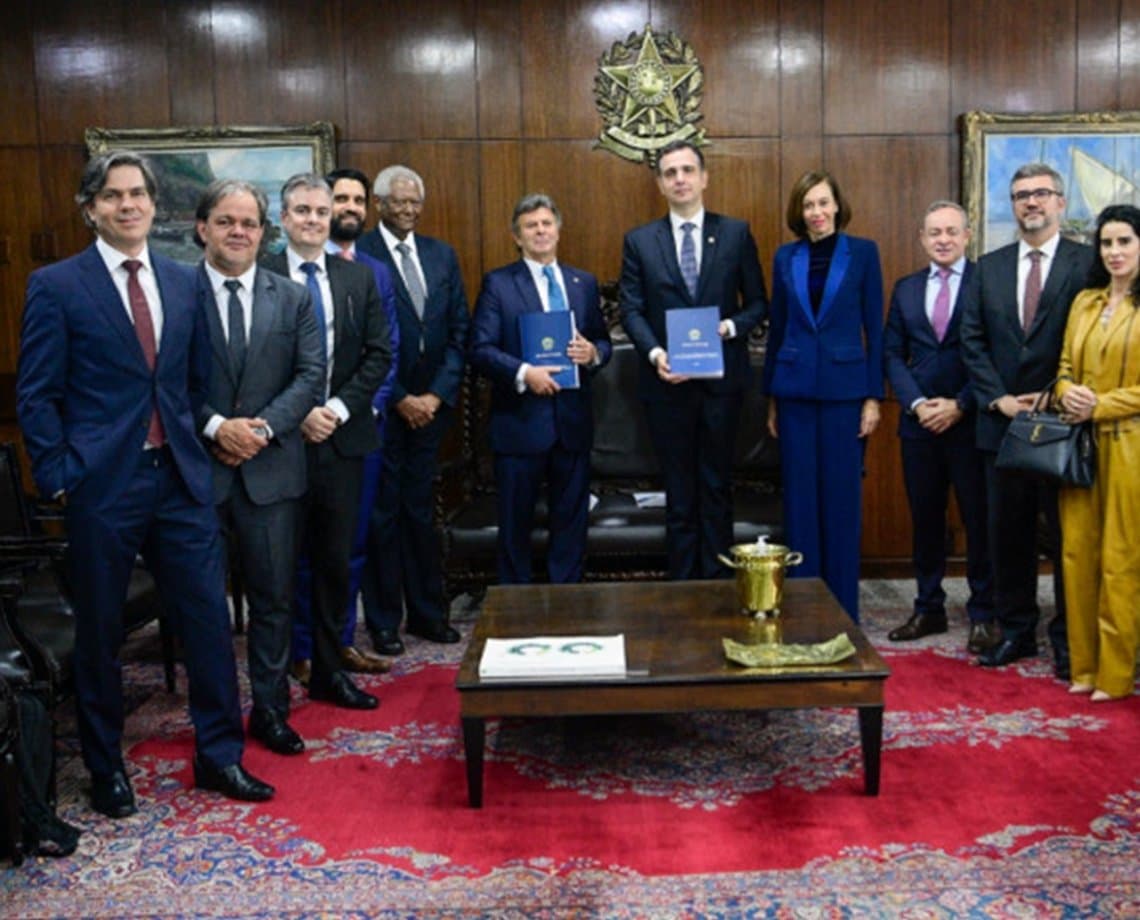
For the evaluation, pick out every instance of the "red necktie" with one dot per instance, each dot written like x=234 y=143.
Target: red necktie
x=1032 y=290
x=144 y=329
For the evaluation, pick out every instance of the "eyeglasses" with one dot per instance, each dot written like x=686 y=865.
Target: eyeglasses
x=1037 y=194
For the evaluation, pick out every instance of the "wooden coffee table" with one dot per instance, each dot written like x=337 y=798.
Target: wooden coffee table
x=674 y=657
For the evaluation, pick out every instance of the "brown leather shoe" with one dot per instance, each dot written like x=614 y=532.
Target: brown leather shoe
x=983 y=637
x=919 y=625
x=362 y=661
x=301 y=671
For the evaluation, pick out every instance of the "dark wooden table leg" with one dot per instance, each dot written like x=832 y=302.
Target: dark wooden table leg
x=474 y=736
x=871 y=735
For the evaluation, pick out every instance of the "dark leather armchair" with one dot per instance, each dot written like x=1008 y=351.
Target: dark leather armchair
x=43 y=618
x=626 y=534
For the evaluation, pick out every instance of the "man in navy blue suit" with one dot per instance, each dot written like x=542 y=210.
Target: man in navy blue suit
x=539 y=429
x=114 y=362
x=691 y=258
x=923 y=361
x=404 y=569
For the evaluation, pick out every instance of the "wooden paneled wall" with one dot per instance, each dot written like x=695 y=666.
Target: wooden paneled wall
x=492 y=98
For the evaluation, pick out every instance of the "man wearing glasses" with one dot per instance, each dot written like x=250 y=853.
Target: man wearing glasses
x=1015 y=309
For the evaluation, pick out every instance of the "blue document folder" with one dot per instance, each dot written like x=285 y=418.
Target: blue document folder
x=545 y=338
x=693 y=342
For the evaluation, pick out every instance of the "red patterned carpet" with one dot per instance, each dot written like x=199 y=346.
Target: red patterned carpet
x=1002 y=796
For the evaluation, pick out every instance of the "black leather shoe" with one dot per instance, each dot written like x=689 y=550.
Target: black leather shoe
x=387 y=642
x=341 y=691
x=1061 y=667
x=1008 y=651
x=435 y=632
x=233 y=782
x=919 y=625
x=112 y=795
x=983 y=637
x=274 y=732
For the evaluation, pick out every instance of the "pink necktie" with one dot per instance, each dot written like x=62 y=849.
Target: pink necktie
x=144 y=329
x=941 y=316
x=1032 y=290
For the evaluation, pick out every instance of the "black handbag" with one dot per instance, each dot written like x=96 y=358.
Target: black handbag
x=1041 y=443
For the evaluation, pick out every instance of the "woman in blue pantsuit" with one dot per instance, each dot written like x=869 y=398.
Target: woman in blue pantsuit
x=824 y=380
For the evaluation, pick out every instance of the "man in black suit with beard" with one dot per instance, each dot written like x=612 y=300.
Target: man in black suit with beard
x=340 y=430
x=1013 y=323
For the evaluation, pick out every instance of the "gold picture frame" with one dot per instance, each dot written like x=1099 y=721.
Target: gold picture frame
x=1097 y=154
x=186 y=160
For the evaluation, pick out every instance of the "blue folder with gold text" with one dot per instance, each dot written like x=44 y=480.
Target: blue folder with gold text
x=545 y=338
x=693 y=342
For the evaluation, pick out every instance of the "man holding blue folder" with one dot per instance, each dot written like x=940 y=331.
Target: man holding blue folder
x=537 y=334
x=692 y=258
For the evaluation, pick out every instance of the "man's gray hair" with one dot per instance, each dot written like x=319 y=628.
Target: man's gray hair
x=1033 y=170
x=95 y=177
x=945 y=203
x=302 y=180
x=533 y=202
x=223 y=188
x=382 y=186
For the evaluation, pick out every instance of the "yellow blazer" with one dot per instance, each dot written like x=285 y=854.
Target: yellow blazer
x=1115 y=377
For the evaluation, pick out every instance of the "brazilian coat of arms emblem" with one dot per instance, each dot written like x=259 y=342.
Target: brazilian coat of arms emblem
x=648 y=93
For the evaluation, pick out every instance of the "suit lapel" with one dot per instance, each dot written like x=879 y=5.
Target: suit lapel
x=264 y=307
x=914 y=309
x=105 y=296
x=208 y=304
x=956 y=314
x=575 y=299
x=527 y=288
x=710 y=231
x=669 y=256
x=800 y=268
x=1054 y=284
x=840 y=261
x=343 y=305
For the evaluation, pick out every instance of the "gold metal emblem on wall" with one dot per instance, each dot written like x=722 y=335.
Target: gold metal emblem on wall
x=648 y=93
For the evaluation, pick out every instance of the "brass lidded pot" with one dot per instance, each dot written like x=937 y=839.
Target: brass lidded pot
x=759 y=571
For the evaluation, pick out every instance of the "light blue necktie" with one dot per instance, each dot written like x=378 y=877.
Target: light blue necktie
x=310 y=270
x=554 y=295
x=689 y=270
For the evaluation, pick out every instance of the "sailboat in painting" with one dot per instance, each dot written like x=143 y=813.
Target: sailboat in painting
x=1100 y=185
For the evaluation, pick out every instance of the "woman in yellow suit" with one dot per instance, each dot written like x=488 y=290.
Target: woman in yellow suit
x=1099 y=378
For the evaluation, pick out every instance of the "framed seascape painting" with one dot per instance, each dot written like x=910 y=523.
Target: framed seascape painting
x=1096 y=153
x=186 y=160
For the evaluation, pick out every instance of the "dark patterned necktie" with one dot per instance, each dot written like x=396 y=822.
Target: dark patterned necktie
x=1032 y=290
x=689 y=270
x=237 y=328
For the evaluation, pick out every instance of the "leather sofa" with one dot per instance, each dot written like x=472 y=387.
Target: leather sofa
x=626 y=537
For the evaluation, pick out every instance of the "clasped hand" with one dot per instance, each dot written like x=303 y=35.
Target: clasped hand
x=1078 y=403
x=239 y=439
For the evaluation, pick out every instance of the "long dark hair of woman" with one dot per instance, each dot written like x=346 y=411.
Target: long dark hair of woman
x=1098 y=274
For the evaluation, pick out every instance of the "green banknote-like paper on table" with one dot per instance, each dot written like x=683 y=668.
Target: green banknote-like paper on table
x=781 y=656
